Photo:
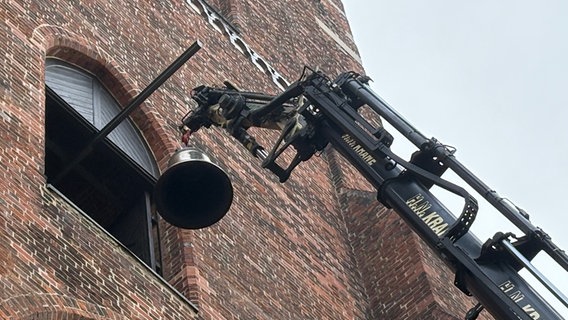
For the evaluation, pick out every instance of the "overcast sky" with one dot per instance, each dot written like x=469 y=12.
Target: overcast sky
x=489 y=78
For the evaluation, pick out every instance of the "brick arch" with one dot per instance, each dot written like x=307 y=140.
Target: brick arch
x=66 y=45
x=179 y=264
x=47 y=306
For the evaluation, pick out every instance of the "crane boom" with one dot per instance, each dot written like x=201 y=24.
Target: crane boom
x=317 y=111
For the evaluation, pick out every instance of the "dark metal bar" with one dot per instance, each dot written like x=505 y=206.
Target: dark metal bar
x=534 y=271
x=132 y=105
x=516 y=217
x=256 y=96
x=292 y=91
x=375 y=102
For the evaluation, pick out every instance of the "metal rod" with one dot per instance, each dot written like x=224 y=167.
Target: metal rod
x=375 y=102
x=277 y=102
x=132 y=105
x=537 y=274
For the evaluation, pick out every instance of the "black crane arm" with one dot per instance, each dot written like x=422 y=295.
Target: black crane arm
x=316 y=111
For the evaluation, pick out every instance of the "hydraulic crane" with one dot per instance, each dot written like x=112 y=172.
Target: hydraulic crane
x=317 y=111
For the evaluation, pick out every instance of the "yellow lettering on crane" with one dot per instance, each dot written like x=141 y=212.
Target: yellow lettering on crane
x=517 y=296
x=359 y=150
x=420 y=206
x=531 y=311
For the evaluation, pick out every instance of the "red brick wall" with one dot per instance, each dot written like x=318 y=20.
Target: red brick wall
x=284 y=251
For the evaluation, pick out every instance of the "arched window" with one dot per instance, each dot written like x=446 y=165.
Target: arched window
x=114 y=182
x=91 y=100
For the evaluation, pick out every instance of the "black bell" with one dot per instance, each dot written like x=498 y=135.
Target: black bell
x=193 y=192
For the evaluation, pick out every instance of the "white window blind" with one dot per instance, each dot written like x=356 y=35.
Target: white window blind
x=92 y=101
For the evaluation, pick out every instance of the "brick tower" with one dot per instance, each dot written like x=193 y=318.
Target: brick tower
x=84 y=241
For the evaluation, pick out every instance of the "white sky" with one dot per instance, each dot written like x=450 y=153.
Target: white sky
x=489 y=78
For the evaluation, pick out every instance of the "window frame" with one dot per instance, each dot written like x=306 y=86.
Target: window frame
x=151 y=245
x=99 y=92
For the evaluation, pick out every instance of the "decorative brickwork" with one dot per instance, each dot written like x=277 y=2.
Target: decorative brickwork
x=317 y=247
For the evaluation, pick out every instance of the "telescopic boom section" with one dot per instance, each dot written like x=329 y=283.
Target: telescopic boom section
x=317 y=111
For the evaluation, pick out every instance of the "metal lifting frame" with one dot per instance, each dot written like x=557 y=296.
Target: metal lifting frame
x=327 y=112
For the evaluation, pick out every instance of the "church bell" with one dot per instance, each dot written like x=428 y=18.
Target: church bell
x=193 y=192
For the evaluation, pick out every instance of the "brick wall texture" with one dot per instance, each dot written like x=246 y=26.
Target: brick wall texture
x=317 y=247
